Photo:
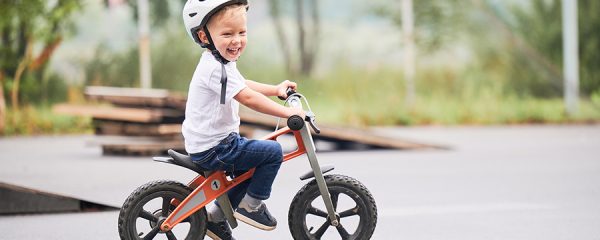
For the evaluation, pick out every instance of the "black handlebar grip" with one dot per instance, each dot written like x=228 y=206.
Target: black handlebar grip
x=295 y=122
x=289 y=92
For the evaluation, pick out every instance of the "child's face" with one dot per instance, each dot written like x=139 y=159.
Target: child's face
x=228 y=32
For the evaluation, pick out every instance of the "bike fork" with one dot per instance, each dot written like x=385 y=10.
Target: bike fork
x=314 y=164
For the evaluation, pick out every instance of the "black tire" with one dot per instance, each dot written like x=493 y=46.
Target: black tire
x=303 y=208
x=141 y=213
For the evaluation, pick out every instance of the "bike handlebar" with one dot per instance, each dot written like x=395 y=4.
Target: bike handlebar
x=289 y=92
x=296 y=122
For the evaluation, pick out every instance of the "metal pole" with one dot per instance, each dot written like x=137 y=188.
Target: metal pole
x=570 y=56
x=409 y=50
x=144 y=44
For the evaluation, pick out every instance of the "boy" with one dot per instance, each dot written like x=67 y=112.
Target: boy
x=211 y=124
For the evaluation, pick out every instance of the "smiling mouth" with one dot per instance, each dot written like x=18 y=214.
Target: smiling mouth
x=233 y=51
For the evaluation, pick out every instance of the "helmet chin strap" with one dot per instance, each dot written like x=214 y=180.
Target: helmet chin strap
x=213 y=48
x=222 y=60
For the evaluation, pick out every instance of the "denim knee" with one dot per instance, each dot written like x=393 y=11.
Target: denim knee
x=276 y=151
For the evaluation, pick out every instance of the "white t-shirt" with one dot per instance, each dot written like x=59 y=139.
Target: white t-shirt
x=207 y=121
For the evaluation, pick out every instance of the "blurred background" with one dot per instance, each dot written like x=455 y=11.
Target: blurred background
x=361 y=63
x=498 y=99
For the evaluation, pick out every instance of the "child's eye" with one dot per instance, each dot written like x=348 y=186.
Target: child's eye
x=243 y=33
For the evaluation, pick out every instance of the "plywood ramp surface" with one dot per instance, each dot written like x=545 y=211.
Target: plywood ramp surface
x=338 y=133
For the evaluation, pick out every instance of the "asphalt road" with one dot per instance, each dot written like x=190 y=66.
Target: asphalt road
x=525 y=182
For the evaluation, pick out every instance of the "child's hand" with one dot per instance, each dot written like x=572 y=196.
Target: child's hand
x=283 y=86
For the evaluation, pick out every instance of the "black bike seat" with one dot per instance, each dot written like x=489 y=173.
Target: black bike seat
x=185 y=161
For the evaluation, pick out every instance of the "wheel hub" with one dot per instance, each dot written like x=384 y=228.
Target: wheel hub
x=158 y=214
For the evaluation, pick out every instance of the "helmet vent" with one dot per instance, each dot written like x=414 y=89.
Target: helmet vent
x=193 y=14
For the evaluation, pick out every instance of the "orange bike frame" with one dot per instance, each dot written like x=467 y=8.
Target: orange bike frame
x=208 y=189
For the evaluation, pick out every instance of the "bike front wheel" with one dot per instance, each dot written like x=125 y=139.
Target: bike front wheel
x=354 y=205
x=149 y=205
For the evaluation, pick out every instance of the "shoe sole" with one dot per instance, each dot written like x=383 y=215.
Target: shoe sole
x=253 y=223
x=212 y=235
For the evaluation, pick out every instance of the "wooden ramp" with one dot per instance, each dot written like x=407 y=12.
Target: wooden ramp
x=132 y=121
x=155 y=98
x=144 y=131
x=158 y=114
x=337 y=134
x=20 y=200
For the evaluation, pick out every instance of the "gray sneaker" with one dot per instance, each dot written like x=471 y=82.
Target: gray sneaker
x=259 y=218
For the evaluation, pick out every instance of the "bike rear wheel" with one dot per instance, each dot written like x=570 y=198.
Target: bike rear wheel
x=149 y=205
x=352 y=201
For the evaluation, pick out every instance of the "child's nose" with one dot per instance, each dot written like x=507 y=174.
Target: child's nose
x=237 y=39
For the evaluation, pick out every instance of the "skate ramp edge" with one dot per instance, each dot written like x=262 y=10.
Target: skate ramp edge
x=21 y=200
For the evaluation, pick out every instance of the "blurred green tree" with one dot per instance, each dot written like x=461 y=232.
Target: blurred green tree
x=160 y=10
x=25 y=24
x=308 y=32
x=589 y=45
x=499 y=53
x=524 y=67
x=437 y=22
x=170 y=70
x=520 y=43
x=536 y=33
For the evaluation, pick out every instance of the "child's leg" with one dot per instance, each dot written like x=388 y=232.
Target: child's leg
x=239 y=154
x=237 y=193
x=264 y=155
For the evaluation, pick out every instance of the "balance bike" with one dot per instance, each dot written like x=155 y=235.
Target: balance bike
x=171 y=210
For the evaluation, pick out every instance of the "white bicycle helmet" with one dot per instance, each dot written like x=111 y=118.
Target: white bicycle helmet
x=196 y=14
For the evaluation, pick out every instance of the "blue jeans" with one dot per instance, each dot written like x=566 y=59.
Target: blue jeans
x=237 y=155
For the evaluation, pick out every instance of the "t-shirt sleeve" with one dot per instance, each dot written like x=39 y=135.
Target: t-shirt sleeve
x=235 y=82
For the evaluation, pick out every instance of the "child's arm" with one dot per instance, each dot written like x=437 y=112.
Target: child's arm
x=271 y=90
x=261 y=103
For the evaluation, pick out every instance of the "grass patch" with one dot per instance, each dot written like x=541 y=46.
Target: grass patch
x=36 y=120
x=362 y=98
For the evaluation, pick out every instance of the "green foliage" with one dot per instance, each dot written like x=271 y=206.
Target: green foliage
x=51 y=89
x=172 y=63
x=41 y=21
x=25 y=24
x=437 y=22
x=541 y=31
x=536 y=68
x=41 y=120
x=113 y=69
x=589 y=45
x=174 y=59
x=160 y=11
x=595 y=98
x=516 y=43
x=353 y=96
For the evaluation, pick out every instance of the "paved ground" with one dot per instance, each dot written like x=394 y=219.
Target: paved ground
x=526 y=182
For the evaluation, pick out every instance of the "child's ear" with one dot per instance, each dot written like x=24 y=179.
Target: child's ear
x=202 y=36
